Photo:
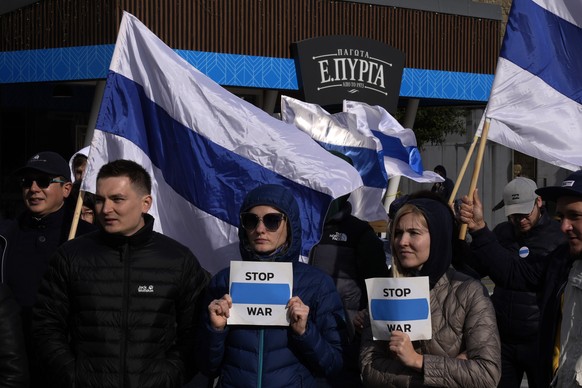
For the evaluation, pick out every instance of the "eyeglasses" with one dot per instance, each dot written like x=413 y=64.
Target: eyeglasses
x=518 y=217
x=42 y=181
x=272 y=221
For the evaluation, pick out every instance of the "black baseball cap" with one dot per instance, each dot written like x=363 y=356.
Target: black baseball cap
x=47 y=162
x=571 y=187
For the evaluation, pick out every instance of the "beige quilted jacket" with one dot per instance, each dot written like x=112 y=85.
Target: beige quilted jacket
x=463 y=321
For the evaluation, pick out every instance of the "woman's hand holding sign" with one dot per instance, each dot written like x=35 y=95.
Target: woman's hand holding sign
x=401 y=346
x=297 y=313
x=219 y=311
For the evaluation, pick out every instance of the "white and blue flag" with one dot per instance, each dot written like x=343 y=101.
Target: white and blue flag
x=338 y=132
x=535 y=105
x=205 y=148
x=398 y=144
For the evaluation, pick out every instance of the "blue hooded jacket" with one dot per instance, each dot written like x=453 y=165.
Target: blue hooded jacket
x=275 y=356
x=280 y=198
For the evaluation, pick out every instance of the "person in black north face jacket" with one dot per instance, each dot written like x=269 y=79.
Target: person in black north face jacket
x=350 y=252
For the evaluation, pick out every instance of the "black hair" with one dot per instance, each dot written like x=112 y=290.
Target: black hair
x=137 y=175
x=440 y=169
x=89 y=200
x=78 y=160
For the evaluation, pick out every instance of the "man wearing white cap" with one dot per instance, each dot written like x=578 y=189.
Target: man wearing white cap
x=528 y=231
x=557 y=277
x=523 y=207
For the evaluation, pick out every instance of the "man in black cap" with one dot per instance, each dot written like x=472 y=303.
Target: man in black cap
x=556 y=276
x=27 y=243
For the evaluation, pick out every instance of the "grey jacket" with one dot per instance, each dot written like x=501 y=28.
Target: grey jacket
x=463 y=322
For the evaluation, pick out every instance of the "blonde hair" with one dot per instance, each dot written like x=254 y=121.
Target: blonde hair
x=407 y=208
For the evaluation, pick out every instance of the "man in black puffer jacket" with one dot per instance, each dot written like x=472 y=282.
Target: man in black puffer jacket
x=118 y=307
x=13 y=362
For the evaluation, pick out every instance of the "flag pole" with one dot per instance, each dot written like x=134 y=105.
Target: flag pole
x=391 y=194
x=76 y=215
x=391 y=191
x=476 y=170
x=463 y=169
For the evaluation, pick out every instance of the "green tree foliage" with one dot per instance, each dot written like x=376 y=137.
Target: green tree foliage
x=433 y=124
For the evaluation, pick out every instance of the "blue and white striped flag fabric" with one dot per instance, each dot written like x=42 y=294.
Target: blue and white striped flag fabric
x=205 y=148
x=535 y=105
x=401 y=155
x=338 y=132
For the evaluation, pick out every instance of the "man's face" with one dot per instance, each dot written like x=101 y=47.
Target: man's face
x=525 y=222
x=87 y=214
x=569 y=210
x=44 y=194
x=79 y=170
x=119 y=207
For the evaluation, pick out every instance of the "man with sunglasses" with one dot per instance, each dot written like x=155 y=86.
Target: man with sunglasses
x=27 y=243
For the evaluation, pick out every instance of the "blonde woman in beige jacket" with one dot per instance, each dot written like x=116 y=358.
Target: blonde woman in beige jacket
x=465 y=349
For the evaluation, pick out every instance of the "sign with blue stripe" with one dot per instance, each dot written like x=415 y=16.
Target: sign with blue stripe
x=401 y=304
x=260 y=292
x=399 y=310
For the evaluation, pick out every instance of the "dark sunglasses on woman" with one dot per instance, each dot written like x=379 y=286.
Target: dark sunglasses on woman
x=272 y=221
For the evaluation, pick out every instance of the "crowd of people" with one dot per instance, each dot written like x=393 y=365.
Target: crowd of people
x=121 y=305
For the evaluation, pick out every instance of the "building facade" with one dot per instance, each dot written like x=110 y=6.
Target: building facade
x=55 y=54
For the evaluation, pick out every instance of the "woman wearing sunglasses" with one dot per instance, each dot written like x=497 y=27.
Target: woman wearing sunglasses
x=274 y=356
x=465 y=349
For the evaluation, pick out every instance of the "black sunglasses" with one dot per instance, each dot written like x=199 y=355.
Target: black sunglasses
x=272 y=221
x=42 y=181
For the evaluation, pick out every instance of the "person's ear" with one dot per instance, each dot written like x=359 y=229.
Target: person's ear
x=67 y=187
x=146 y=203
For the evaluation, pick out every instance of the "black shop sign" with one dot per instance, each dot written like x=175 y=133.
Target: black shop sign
x=331 y=69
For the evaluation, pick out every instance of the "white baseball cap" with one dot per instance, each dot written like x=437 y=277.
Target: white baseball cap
x=519 y=196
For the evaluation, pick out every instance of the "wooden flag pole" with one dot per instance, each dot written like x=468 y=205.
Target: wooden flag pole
x=476 y=170
x=463 y=169
x=76 y=215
